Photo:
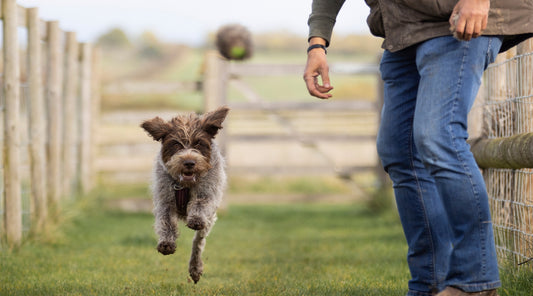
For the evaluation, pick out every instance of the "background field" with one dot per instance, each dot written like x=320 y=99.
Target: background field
x=276 y=235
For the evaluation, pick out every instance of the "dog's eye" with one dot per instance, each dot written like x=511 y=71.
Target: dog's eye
x=200 y=145
x=176 y=144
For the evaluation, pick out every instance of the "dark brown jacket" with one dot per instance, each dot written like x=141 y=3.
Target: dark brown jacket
x=407 y=22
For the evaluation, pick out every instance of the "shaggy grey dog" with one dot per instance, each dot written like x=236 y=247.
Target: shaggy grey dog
x=188 y=180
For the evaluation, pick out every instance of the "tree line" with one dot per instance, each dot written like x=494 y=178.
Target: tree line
x=148 y=45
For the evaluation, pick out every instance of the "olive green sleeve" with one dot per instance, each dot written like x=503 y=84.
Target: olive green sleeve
x=322 y=18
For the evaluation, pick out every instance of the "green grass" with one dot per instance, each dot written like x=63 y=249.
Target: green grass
x=287 y=185
x=299 y=249
x=516 y=282
x=187 y=68
x=253 y=250
x=243 y=185
x=190 y=100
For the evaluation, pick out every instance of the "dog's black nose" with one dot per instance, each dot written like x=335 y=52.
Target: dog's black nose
x=189 y=164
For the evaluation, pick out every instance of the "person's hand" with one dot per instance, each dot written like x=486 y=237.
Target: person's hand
x=316 y=66
x=469 y=18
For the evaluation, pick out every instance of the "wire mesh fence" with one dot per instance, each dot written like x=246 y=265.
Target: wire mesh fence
x=508 y=111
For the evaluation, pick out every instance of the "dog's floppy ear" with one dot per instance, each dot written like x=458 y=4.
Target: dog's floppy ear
x=156 y=127
x=212 y=121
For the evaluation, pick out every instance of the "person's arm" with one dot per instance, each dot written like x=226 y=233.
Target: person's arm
x=321 y=22
x=469 y=18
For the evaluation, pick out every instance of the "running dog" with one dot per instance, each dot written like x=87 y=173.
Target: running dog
x=189 y=179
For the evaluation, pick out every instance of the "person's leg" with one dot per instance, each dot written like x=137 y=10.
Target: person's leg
x=421 y=212
x=450 y=76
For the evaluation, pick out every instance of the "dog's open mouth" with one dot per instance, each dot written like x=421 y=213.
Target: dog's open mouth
x=187 y=177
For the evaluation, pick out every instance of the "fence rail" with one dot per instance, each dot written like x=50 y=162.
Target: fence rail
x=47 y=105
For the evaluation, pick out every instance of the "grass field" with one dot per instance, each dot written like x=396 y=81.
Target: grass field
x=253 y=250
x=298 y=249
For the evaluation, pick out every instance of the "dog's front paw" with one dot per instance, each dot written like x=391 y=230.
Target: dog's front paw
x=196 y=223
x=166 y=248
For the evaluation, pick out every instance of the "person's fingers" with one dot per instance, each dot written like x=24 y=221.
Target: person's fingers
x=460 y=25
x=469 y=19
x=477 y=29
x=325 y=80
x=311 y=85
x=315 y=89
x=469 y=29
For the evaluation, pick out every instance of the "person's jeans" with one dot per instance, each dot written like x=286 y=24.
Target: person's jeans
x=440 y=192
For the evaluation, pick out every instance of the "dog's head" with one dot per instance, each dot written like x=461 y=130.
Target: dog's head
x=186 y=142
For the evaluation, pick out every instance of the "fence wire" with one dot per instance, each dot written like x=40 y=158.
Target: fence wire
x=508 y=111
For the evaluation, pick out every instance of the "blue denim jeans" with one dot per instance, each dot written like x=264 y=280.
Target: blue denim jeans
x=439 y=190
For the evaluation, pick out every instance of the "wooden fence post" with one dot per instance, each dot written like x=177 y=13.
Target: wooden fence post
x=70 y=99
x=215 y=89
x=525 y=46
x=37 y=122
x=12 y=184
x=496 y=92
x=383 y=177
x=95 y=99
x=85 y=109
x=215 y=81
x=525 y=84
x=54 y=75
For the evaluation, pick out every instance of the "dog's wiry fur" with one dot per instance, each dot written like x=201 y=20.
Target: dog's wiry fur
x=188 y=158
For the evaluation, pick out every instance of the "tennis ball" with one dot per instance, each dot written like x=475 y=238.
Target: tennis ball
x=238 y=52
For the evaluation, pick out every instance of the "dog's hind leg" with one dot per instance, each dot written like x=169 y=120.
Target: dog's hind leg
x=196 y=266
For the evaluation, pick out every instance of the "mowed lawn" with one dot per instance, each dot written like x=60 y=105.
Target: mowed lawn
x=290 y=249
x=298 y=249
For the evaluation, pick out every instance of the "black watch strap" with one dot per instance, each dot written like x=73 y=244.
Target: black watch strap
x=317 y=46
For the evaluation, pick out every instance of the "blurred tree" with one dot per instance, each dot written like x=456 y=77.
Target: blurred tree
x=150 y=46
x=115 y=38
x=359 y=44
x=283 y=40
x=280 y=40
